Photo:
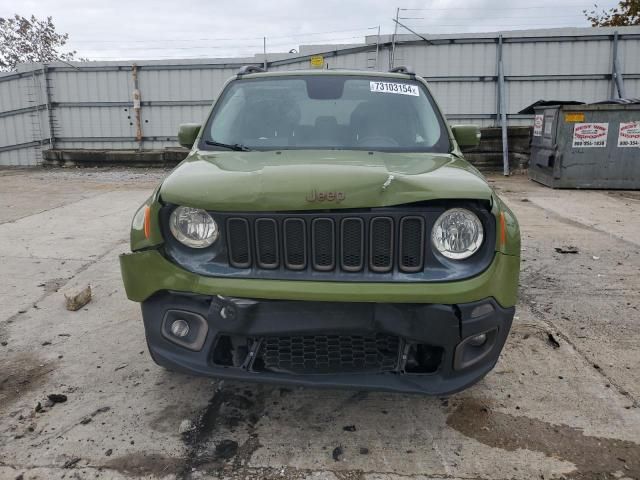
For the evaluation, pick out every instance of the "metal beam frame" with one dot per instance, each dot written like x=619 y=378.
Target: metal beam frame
x=617 y=80
x=503 y=110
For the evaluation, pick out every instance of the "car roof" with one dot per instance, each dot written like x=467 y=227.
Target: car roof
x=325 y=72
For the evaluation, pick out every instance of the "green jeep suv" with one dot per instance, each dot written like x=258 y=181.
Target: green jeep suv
x=325 y=230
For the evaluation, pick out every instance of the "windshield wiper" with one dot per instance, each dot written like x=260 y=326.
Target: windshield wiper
x=232 y=146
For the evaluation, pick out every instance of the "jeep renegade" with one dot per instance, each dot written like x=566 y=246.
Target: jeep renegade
x=325 y=230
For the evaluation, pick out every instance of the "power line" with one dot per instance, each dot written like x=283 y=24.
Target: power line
x=498 y=8
x=252 y=48
x=235 y=39
x=491 y=25
x=341 y=40
x=507 y=18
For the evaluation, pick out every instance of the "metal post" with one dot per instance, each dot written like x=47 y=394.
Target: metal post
x=137 y=104
x=377 y=47
x=47 y=97
x=503 y=111
x=617 y=80
x=393 y=40
x=264 y=52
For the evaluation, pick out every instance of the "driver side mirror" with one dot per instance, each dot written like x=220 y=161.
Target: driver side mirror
x=187 y=134
x=466 y=135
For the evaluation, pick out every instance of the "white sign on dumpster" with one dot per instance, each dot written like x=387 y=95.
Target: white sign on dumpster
x=537 y=125
x=629 y=134
x=588 y=135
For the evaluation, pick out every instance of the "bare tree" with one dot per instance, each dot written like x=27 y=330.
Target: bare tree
x=626 y=13
x=25 y=40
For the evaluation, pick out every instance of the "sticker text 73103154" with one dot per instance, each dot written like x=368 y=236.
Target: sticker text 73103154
x=393 y=87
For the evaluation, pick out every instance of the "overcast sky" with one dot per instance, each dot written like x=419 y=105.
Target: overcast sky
x=147 y=29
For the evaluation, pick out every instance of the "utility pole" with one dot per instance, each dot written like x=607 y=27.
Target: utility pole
x=503 y=111
x=378 y=47
x=264 y=51
x=393 y=40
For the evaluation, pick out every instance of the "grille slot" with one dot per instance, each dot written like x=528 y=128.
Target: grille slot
x=352 y=244
x=411 y=255
x=267 y=243
x=295 y=243
x=347 y=242
x=328 y=354
x=323 y=244
x=238 y=242
x=381 y=244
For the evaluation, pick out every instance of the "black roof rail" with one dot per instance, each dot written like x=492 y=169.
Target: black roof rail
x=403 y=69
x=250 y=69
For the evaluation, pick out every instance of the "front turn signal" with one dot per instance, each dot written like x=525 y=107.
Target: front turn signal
x=147 y=222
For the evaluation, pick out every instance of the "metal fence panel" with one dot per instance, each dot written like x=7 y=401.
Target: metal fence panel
x=90 y=106
x=463 y=98
x=14 y=95
x=183 y=84
x=558 y=58
x=449 y=60
x=163 y=121
x=75 y=86
x=16 y=129
x=94 y=122
x=21 y=157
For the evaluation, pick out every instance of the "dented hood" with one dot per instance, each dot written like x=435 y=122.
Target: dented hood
x=303 y=179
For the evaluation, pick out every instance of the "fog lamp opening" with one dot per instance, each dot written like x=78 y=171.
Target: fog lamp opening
x=474 y=348
x=478 y=340
x=180 y=328
x=185 y=328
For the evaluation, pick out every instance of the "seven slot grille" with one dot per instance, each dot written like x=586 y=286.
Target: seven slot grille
x=377 y=243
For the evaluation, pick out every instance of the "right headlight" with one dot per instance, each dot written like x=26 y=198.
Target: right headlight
x=193 y=227
x=457 y=233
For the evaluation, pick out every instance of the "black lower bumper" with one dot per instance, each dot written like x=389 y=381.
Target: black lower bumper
x=420 y=348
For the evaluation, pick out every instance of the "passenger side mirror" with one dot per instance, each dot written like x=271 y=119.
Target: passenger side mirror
x=187 y=134
x=466 y=135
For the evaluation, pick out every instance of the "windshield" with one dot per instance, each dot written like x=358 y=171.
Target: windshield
x=326 y=112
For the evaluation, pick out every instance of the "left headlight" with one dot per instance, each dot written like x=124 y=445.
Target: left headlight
x=457 y=233
x=193 y=227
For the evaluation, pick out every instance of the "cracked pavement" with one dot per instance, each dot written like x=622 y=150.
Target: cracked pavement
x=563 y=401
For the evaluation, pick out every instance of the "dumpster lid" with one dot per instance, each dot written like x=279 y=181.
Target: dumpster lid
x=530 y=110
x=618 y=101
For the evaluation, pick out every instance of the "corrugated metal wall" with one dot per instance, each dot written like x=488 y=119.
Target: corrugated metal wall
x=89 y=105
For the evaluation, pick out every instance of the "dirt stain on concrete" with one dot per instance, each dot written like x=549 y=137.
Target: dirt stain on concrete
x=594 y=457
x=229 y=410
x=55 y=284
x=168 y=419
x=140 y=464
x=20 y=374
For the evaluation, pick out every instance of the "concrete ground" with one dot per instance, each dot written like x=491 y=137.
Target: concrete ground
x=563 y=401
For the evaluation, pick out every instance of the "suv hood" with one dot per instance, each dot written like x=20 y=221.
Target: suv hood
x=299 y=179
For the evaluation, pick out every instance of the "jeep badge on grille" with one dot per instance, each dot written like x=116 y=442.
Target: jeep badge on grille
x=316 y=196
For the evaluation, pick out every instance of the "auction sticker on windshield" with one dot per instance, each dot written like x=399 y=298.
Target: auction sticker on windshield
x=392 y=87
x=629 y=134
x=590 y=135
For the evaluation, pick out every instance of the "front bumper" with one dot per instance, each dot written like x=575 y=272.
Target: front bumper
x=227 y=338
x=148 y=272
x=439 y=317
